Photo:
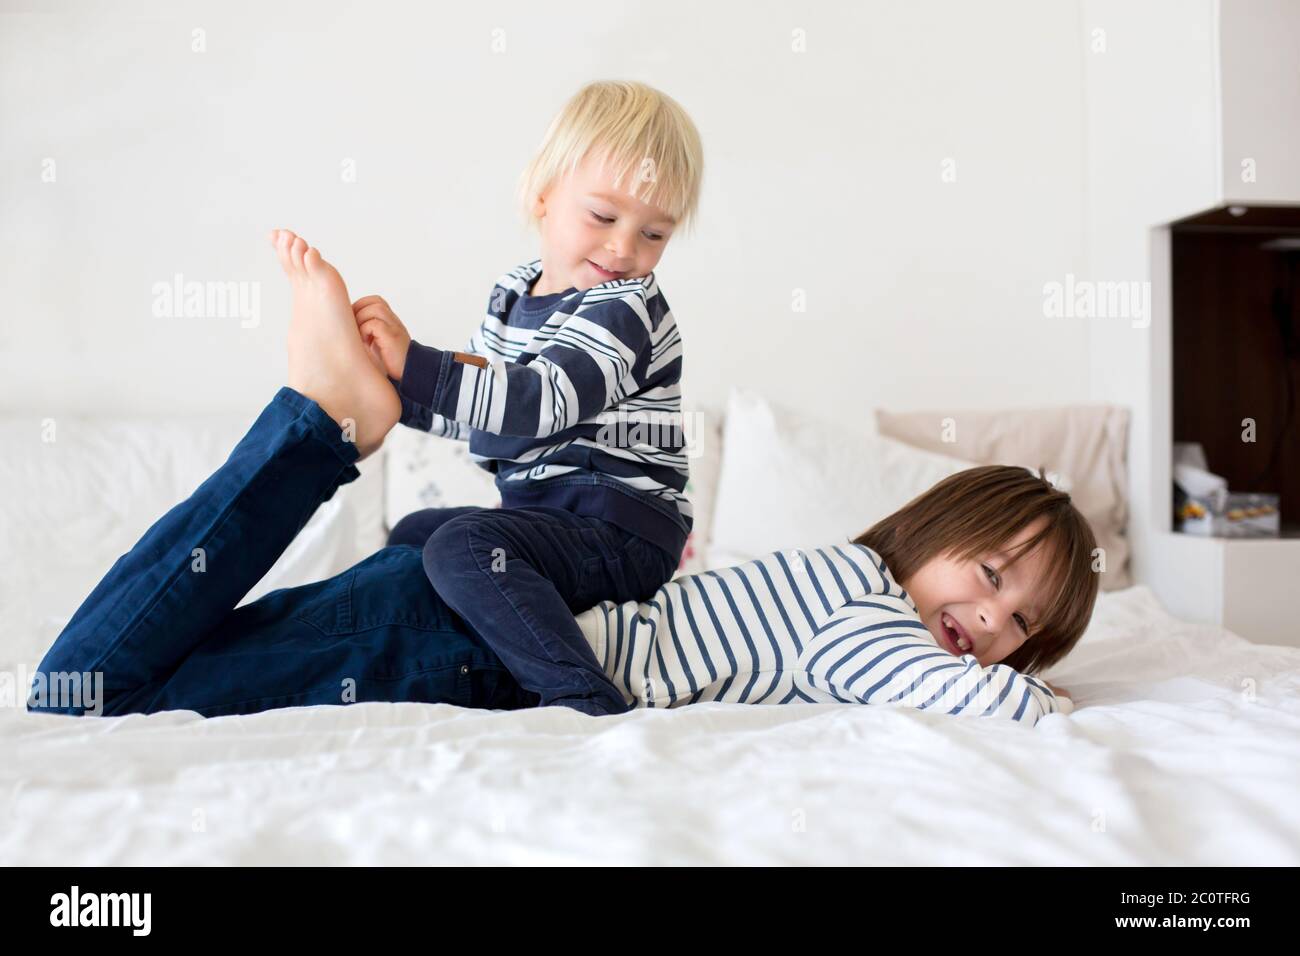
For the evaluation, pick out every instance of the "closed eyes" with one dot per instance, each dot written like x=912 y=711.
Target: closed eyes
x=605 y=222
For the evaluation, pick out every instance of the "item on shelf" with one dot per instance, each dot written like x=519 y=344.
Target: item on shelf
x=1200 y=483
x=1190 y=453
x=1231 y=515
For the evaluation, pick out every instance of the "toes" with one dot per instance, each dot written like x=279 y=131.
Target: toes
x=283 y=238
x=315 y=264
x=319 y=269
x=296 y=253
x=311 y=260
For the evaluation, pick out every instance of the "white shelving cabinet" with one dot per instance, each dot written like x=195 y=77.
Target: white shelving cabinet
x=1192 y=106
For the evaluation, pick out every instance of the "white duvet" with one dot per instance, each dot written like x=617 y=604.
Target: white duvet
x=1184 y=749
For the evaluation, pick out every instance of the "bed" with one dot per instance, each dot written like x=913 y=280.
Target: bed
x=1183 y=748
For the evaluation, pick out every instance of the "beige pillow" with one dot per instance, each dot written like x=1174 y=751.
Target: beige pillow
x=1085 y=442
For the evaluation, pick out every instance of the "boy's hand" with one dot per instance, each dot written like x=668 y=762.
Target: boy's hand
x=383 y=333
x=1058 y=691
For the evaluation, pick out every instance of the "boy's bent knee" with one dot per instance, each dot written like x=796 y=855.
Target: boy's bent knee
x=449 y=553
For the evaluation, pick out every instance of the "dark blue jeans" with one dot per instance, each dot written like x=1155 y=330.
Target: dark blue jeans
x=161 y=630
x=517 y=576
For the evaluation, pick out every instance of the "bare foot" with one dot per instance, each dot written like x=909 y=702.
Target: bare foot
x=328 y=362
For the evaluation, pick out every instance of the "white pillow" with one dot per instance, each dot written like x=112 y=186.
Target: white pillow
x=70 y=507
x=704 y=455
x=422 y=470
x=789 y=480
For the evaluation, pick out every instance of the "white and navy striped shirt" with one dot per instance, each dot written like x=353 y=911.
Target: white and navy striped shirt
x=578 y=407
x=820 y=626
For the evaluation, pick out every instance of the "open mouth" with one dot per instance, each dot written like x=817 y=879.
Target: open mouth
x=956 y=635
x=604 y=272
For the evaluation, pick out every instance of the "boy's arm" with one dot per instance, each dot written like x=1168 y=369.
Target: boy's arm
x=880 y=654
x=413 y=416
x=416 y=416
x=573 y=378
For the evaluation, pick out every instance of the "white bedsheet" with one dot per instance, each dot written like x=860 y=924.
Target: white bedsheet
x=1184 y=749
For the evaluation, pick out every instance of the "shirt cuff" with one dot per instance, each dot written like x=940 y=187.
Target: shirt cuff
x=422 y=373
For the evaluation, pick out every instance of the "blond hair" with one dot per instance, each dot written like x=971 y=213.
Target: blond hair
x=644 y=134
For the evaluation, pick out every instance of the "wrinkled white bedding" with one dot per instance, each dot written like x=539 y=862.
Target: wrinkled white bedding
x=1184 y=749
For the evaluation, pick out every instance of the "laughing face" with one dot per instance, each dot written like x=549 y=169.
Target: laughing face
x=593 y=232
x=978 y=605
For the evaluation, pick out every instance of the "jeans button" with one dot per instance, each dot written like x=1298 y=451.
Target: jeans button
x=464 y=668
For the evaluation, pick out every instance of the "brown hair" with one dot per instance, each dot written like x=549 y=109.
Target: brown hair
x=981 y=509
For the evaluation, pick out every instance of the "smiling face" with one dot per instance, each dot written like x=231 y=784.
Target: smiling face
x=981 y=600
x=588 y=225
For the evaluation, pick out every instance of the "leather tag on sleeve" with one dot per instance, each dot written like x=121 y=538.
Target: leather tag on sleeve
x=465 y=358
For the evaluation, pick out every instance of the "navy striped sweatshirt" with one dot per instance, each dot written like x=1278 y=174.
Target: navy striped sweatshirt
x=578 y=406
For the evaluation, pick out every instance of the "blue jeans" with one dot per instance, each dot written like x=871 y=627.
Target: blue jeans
x=162 y=632
x=518 y=576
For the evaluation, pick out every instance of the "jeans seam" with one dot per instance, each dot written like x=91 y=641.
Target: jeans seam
x=369 y=627
x=636 y=540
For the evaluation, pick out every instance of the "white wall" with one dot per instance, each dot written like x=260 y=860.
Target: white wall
x=1152 y=156
x=823 y=174
x=1260 y=54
